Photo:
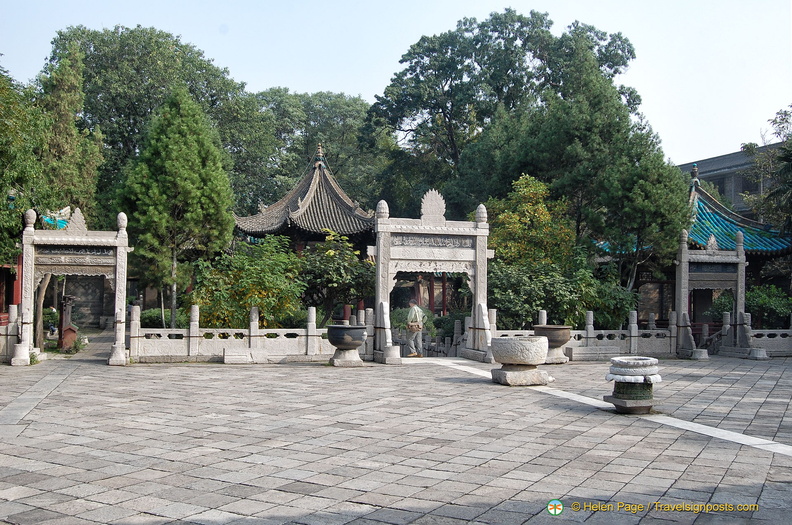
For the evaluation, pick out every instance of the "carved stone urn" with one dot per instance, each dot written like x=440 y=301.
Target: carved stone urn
x=557 y=336
x=346 y=339
x=519 y=357
x=633 y=379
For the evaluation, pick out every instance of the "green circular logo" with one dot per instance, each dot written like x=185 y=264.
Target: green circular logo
x=555 y=507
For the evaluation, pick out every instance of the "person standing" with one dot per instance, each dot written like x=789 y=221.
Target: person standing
x=415 y=324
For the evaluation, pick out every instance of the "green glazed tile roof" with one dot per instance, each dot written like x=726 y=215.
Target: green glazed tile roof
x=712 y=218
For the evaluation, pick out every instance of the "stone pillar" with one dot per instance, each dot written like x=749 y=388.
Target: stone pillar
x=382 y=336
x=493 y=321
x=682 y=276
x=727 y=338
x=590 y=336
x=632 y=332
x=254 y=341
x=118 y=354
x=12 y=335
x=385 y=351
x=369 y=346
x=194 y=331
x=542 y=317
x=741 y=264
x=652 y=322
x=134 y=334
x=672 y=333
x=312 y=339
x=22 y=349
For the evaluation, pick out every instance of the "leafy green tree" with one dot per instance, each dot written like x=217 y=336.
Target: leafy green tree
x=129 y=73
x=335 y=275
x=177 y=194
x=454 y=84
x=332 y=119
x=22 y=130
x=525 y=227
x=779 y=197
x=537 y=265
x=265 y=275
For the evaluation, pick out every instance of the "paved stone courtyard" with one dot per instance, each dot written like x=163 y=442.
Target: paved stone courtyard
x=430 y=441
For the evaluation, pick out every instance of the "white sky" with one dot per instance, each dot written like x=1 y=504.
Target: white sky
x=711 y=72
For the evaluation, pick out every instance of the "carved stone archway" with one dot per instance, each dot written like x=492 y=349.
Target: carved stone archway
x=72 y=251
x=431 y=244
x=710 y=269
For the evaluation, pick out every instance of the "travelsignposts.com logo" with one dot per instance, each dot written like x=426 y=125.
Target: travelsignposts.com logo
x=555 y=507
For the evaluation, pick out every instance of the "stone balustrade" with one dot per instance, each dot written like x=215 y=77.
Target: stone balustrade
x=253 y=344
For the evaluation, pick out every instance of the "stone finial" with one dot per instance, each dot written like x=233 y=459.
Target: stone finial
x=433 y=204
x=383 y=212
x=195 y=313
x=77 y=222
x=481 y=213
x=30 y=219
x=739 y=238
x=122 y=221
x=683 y=237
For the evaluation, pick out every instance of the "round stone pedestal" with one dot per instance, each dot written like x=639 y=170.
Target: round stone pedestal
x=346 y=339
x=633 y=378
x=518 y=357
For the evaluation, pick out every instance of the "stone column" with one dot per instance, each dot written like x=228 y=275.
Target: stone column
x=194 y=331
x=22 y=349
x=134 y=334
x=727 y=338
x=542 y=317
x=313 y=342
x=682 y=276
x=632 y=332
x=672 y=333
x=741 y=264
x=253 y=330
x=382 y=338
x=118 y=354
x=652 y=322
x=590 y=336
x=369 y=321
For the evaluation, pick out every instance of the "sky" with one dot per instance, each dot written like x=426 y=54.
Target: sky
x=711 y=73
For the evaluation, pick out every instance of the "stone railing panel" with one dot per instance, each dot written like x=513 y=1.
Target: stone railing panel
x=777 y=343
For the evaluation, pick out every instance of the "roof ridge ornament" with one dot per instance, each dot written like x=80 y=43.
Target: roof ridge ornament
x=712 y=244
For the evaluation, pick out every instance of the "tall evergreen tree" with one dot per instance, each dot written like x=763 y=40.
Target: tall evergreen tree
x=177 y=194
x=72 y=156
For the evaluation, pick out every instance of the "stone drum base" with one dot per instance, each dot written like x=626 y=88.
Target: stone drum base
x=520 y=375
x=346 y=358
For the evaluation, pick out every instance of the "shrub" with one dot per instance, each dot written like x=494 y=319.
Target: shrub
x=152 y=318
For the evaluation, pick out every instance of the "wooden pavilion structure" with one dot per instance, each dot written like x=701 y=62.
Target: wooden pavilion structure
x=316 y=204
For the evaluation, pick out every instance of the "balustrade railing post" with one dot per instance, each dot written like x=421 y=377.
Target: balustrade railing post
x=194 y=331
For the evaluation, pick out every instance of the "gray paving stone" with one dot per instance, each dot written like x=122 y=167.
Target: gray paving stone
x=373 y=450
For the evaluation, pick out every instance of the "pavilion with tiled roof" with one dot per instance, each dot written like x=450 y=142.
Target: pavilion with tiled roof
x=712 y=220
x=718 y=251
x=316 y=204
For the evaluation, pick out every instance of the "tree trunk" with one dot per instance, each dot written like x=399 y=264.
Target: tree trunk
x=162 y=306
x=39 y=313
x=173 y=291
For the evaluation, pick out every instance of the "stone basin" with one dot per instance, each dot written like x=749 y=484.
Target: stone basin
x=519 y=357
x=526 y=350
